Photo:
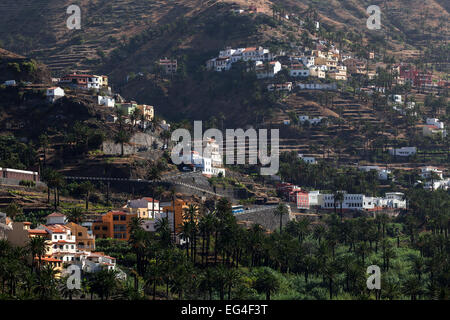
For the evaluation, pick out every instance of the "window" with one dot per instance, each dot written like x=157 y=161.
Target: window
x=116 y=218
x=123 y=218
x=104 y=228
x=96 y=228
x=80 y=234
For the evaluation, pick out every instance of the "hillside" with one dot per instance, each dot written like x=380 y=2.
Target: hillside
x=16 y=67
x=40 y=28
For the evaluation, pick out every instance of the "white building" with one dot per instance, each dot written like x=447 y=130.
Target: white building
x=313 y=197
x=403 y=151
x=426 y=172
x=56 y=218
x=9 y=83
x=396 y=98
x=54 y=94
x=146 y=207
x=439 y=184
x=310 y=160
x=393 y=200
x=435 y=122
x=434 y=126
x=315 y=71
x=229 y=56
x=351 y=201
x=63 y=243
x=106 y=101
x=94 y=261
x=316 y=86
x=287 y=86
x=312 y=121
x=383 y=174
x=268 y=70
x=298 y=70
x=308 y=61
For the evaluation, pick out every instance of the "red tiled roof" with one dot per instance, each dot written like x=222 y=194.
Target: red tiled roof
x=37 y=231
x=56 y=214
x=48 y=259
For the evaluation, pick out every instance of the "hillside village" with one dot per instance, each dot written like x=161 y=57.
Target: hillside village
x=88 y=179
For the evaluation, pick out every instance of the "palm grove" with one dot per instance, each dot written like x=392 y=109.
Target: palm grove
x=223 y=260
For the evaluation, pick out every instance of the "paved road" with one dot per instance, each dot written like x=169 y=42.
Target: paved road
x=174 y=178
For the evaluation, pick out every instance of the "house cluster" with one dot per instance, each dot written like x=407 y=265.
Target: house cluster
x=382 y=173
x=406 y=73
x=433 y=127
x=152 y=211
x=84 y=81
x=308 y=199
x=209 y=163
x=317 y=63
x=289 y=86
x=434 y=178
x=402 y=106
x=324 y=61
x=263 y=60
x=67 y=243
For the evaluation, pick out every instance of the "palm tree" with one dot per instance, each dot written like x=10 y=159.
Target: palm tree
x=64 y=289
x=46 y=286
x=87 y=188
x=266 y=282
x=412 y=287
x=13 y=209
x=137 y=241
x=75 y=215
x=338 y=197
x=37 y=246
x=232 y=277
x=281 y=211
x=154 y=175
x=122 y=137
x=104 y=283
x=191 y=214
x=162 y=227
x=330 y=272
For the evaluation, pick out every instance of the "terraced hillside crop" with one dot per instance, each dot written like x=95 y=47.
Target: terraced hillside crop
x=37 y=28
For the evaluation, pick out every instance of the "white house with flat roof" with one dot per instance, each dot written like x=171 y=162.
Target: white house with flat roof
x=383 y=174
x=54 y=94
x=310 y=160
x=403 y=151
x=425 y=172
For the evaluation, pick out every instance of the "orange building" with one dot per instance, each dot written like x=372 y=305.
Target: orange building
x=83 y=239
x=113 y=224
x=180 y=210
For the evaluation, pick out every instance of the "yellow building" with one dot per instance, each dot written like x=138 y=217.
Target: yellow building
x=180 y=206
x=147 y=111
x=83 y=240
